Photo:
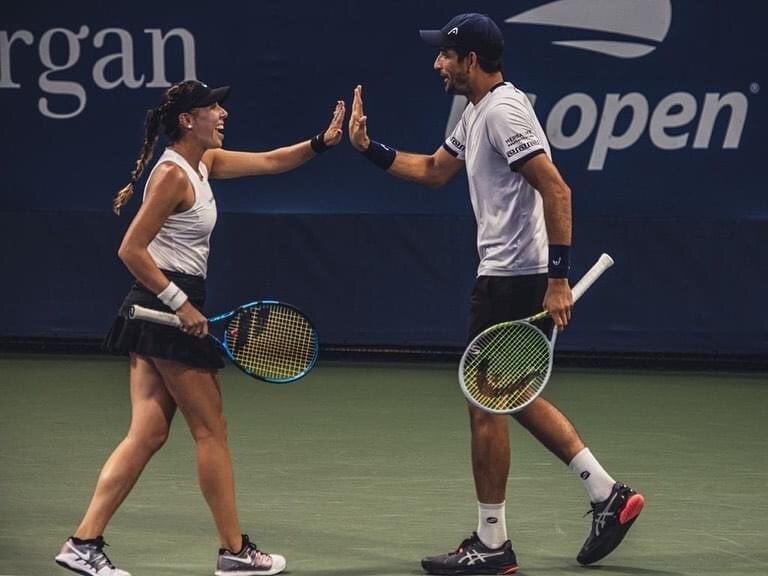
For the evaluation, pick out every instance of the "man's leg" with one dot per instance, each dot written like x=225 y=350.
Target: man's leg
x=615 y=506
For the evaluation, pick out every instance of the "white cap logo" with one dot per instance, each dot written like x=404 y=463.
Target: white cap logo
x=454 y=31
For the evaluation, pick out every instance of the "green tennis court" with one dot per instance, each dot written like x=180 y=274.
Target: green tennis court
x=363 y=469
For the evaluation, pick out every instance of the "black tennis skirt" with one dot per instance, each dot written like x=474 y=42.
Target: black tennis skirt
x=157 y=340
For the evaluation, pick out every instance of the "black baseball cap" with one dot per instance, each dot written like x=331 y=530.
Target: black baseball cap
x=472 y=31
x=200 y=95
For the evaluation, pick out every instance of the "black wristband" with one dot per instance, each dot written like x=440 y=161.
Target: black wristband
x=559 y=260
x=380 y=154
x=318 y=143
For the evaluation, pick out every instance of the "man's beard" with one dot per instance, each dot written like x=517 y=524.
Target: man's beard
x=458 y=86
x=452 y=88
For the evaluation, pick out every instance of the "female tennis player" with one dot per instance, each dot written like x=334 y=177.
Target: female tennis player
x=166 y=249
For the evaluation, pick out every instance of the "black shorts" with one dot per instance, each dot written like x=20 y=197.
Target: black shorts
x=157 y=340
x=502 y=298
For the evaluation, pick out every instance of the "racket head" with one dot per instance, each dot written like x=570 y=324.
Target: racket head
x=272 y=341
x=506 y=367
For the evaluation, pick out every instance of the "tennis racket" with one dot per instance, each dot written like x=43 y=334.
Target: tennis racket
x=268 y=340
x=507 y=365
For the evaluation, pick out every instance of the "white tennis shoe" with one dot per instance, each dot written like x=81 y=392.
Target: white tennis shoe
x=88 y=558
x=250 y=561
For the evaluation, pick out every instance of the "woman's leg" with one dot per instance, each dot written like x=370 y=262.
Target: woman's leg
x=152 y=409
x=198 y=395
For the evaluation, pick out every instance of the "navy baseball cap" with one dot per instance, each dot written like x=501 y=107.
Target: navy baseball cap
x=475 y=32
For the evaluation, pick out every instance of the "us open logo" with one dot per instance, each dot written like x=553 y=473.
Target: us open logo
x=645 y=24
x=624 y=29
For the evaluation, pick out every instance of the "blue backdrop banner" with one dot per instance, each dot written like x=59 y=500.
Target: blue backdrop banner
x=653 y=109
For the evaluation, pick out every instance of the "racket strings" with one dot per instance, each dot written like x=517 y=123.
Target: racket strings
x=275 y=342
x=507 y=367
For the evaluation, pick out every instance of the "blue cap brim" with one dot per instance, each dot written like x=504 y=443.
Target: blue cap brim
x=434 y=38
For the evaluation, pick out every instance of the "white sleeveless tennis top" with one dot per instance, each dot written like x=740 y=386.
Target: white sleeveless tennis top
x=493 y=137
x=183 y=242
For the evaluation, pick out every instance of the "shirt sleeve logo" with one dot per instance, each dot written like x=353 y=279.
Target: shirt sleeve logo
x=456 y=143
x=521 y=142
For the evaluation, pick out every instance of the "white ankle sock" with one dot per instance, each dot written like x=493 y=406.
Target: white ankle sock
x=596 y=480
x=492 y=524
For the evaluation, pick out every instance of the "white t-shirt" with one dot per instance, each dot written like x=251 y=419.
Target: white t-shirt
x=493 y=137
x=183 y=242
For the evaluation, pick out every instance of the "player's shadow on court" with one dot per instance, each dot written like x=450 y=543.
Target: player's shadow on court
x=392 y=569
x=608 y=569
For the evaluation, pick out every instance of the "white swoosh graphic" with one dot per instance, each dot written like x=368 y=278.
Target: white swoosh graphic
x=618 y=49
x=648 y=19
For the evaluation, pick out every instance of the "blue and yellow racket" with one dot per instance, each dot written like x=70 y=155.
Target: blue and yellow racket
x=507 y=365
x=268 y=340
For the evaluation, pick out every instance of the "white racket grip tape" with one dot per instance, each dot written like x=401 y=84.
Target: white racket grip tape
x=602 y=264
x=137 y=312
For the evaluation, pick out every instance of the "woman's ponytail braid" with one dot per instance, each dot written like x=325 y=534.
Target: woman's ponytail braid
x=153 y=120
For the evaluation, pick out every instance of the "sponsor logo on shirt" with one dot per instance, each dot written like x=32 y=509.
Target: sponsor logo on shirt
x=458 y=144
x=524 y=146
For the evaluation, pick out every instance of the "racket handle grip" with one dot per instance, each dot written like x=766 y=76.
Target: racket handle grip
x=137 y=312
x=602 y=264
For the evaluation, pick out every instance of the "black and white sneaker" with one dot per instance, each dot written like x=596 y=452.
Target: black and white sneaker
x=473 y=557
x=250 y=561
x=87 y=558
x=611 y=519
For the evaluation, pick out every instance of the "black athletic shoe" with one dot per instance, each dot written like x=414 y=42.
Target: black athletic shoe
x=610 y=521
x=473 y=557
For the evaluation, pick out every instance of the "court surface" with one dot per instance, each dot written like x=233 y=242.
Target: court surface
x=363 y=468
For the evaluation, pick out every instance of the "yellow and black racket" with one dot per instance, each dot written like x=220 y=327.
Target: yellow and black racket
x=268 y=340
x=507 y=365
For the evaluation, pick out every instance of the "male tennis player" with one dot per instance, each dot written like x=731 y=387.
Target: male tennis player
x=523 y=211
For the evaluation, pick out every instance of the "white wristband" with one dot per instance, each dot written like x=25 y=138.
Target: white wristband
x=172 y=296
